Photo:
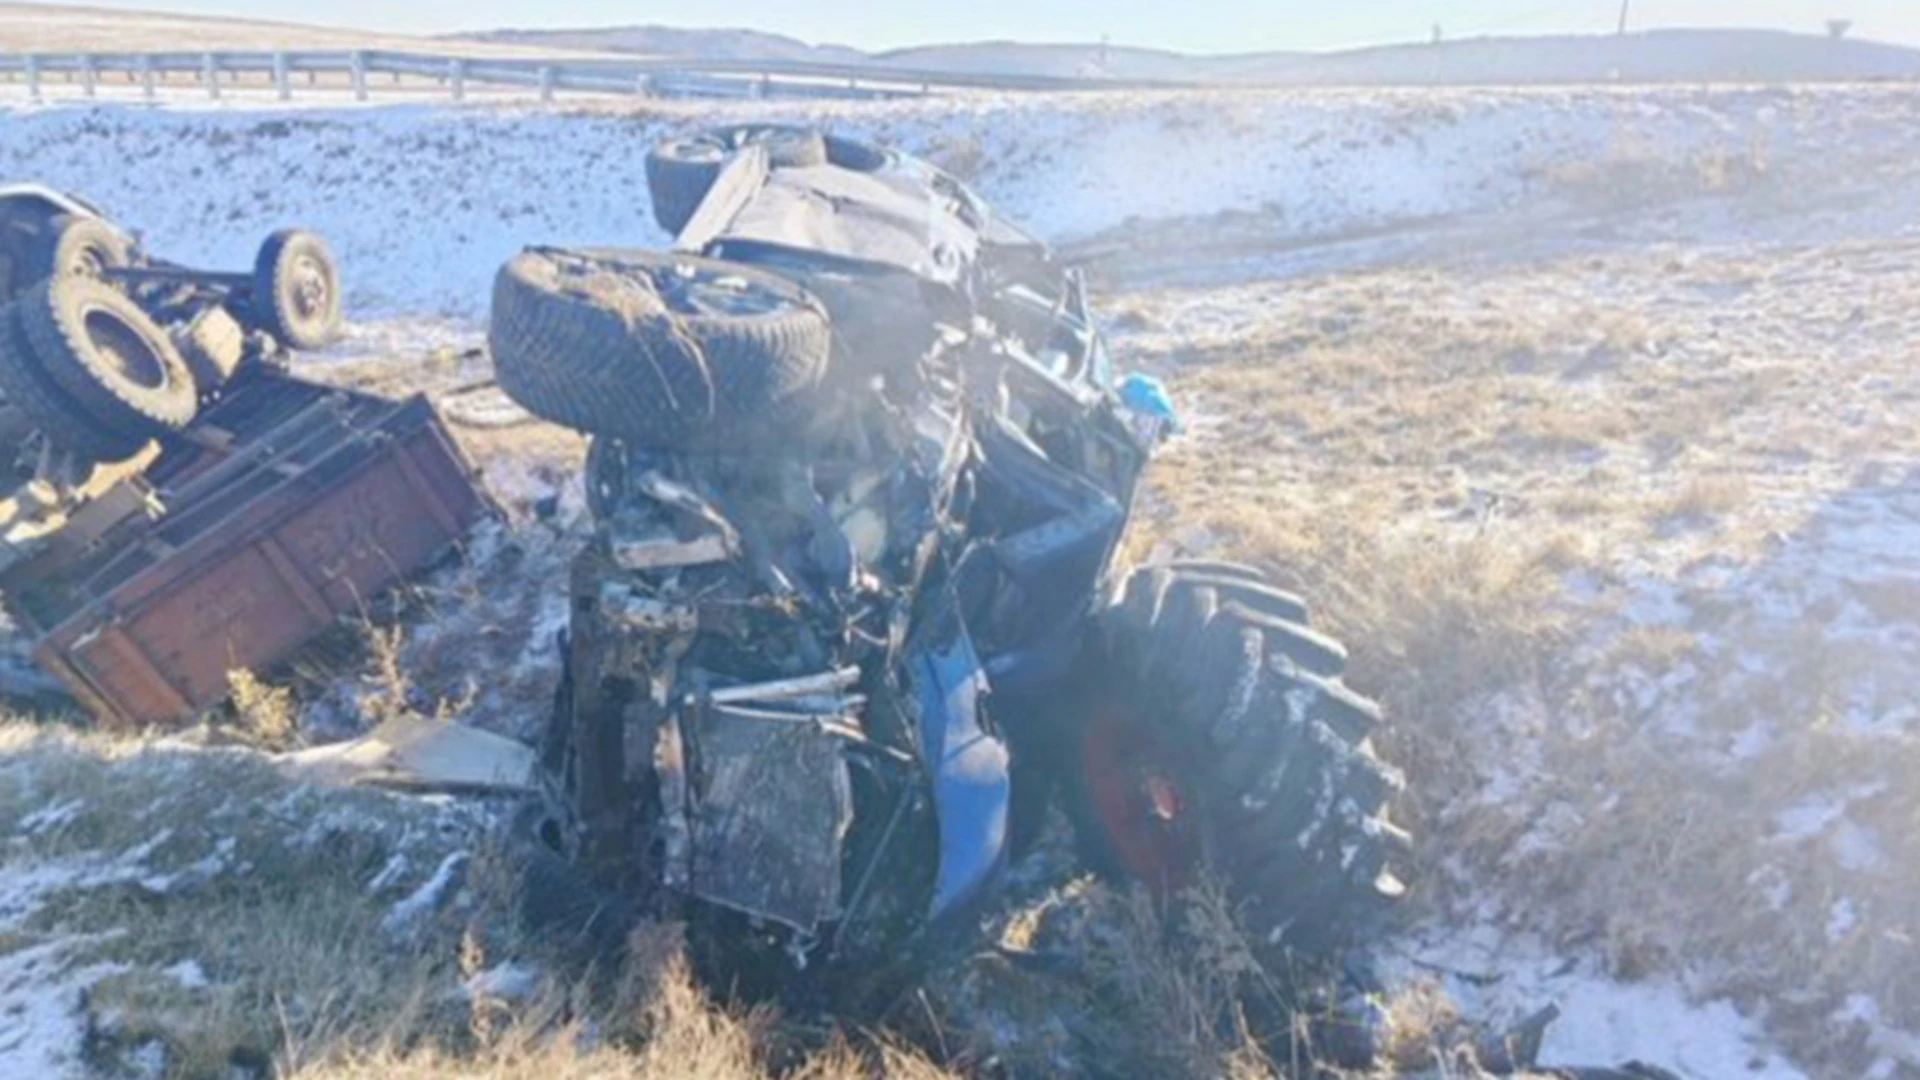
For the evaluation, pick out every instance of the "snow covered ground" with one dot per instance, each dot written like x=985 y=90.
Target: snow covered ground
x=424 y=203
x=118 y=860
x=1637 y=361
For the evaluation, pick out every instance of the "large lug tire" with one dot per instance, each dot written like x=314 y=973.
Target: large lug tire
x=681 y=171
x=1217 y=738
x=296 y=290
x=46 y=407
x=109 y=356
x=658 y=350
x=76 y=247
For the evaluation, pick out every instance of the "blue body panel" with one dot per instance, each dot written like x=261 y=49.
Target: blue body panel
x=972 y=789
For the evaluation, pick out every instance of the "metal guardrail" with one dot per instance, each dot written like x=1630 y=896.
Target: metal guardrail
x=671 y=77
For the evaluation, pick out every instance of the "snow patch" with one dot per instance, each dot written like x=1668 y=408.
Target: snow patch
x=189 y=974
x=1505 y=978
x=429 y=897
x=41 y=1023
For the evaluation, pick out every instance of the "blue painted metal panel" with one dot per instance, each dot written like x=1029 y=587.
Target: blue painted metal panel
x=971 y=786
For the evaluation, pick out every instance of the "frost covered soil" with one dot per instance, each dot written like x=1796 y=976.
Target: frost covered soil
x=154 y=894
x=1588 y=416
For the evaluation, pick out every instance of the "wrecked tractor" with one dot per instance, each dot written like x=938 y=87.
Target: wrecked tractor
x=852 y=616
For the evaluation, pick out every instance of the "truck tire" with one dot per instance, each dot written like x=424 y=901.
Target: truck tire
x=680 y=172
x=1215 y=738
x=49 y=409
x=108 y=356
x=658 y=350
x=296 y=290
x=75 y=246
x=213 y=344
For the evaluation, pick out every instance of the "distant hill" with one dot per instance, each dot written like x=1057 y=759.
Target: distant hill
x=73 y=28
x=675 y=41
x=1080 y=61
x=1653 y=56
x=1650 y=57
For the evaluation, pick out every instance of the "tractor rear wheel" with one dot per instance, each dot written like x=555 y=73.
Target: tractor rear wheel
x=1217 y=739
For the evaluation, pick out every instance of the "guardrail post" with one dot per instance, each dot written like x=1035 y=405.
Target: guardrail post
x=210 y=74
x=281 y=84
x=546 y=83
x=89 y=74
x=33 y=77
x=146 y=77
x=358 y=66
x=457 y=78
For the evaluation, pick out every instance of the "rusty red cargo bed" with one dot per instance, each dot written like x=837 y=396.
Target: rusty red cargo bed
x=286 y=506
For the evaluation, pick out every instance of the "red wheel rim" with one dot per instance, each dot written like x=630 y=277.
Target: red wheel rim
x=1133 y=791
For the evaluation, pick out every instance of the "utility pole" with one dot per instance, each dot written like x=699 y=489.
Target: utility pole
x=1625 y=7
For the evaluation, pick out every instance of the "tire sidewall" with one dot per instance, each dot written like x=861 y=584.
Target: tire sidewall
x=56 y=315
x=276 y=277
x=1166 y=652
x=584 y=339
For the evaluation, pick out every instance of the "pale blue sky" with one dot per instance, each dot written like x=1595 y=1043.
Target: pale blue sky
x=1193 y=25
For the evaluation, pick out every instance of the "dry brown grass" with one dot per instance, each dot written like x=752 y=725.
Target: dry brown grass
x=1512 y=498
x=267 y=715
x=169 y=854
x=656 y=1024
x=1633 y=174
x=279 y=898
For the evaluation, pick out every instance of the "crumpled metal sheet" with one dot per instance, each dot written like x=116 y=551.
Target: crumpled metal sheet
x=970 y=764
x=768 y=809
x=416 y=754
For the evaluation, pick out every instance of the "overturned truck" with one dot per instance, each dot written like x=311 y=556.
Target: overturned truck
x=174 y=504
x=852 y=616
